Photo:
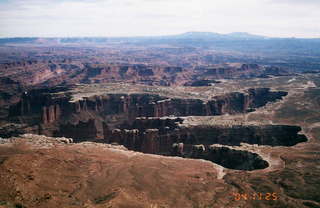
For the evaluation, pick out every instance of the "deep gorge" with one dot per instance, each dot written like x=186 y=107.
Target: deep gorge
x=152 y=124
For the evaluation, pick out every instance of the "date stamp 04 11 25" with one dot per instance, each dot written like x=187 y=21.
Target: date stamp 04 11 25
x=255 y=196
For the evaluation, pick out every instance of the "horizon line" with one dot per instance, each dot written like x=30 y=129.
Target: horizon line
x=164 y=35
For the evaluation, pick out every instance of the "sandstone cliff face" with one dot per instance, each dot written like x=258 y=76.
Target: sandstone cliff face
x=84 y=118
x=164 y=124
x=67 y=70
x=203 y=142
x=50 y=113
x=150 y=123
x=242 y=71
x=79 y=132
x=41 y=103
x=147 y=141
x=241 y=103
x=229 y=158
x=168 y=134
x=39 y=106
x=273 y=135
x=150 y=141
x=125 y=119
x=9 y=91
x=144 y=105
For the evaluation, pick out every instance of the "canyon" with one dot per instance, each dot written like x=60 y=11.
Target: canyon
x=150 y=123
x=156 y=126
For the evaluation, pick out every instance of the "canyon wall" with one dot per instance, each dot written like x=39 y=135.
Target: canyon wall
x=47 y=108
x=229 y=157
x=164 y=136
x=67 y=71
x=151 y=123
x=50 y=108
x=80 y=131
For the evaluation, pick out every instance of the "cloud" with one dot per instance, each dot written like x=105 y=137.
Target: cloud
x=156 y=17
x=300 y=2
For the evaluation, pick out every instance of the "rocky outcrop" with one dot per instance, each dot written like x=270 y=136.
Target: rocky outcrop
x=50 y=114
x=9 y=91
x=129 y=138
x=42 y=104
x=273 y=135
x=177 y=149
x=151 y=132
x=197 y=151
x=223 y=155
x=240 y=71
x=197 y=142
x=201 y=83
x=230 y=158
x=150 y=141
x=79 y=132
x=163 y=124
x=144 y=105
x=84 y=118
x=241 y=103
x=147 y=141
x=169 y=133
x=13 y=129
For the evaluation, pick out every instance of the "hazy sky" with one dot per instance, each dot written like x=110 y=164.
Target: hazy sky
x=47 y=18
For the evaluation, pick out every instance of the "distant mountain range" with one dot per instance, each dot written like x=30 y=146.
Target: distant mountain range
x=211 y=35
x=238 y=41
x=187 y=35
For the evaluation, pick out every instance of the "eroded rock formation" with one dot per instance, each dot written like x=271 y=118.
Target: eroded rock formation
x=146 y=122
x=228 y=157
x=45 y=106
x=167 y=136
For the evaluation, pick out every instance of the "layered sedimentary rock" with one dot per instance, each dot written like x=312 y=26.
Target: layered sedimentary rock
x=45 y=106
x=273 y=135
x=228 y=157
x=197 y=142
x=80 y=131
x=9 y=91
x=112 y=118
x=150 y=141
x=150 y=123
x=241 y=71
x=170 y=132
x=138 y=105
x=147 y=141
x=66 y=71
x=50 y=113
x=40 y=104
